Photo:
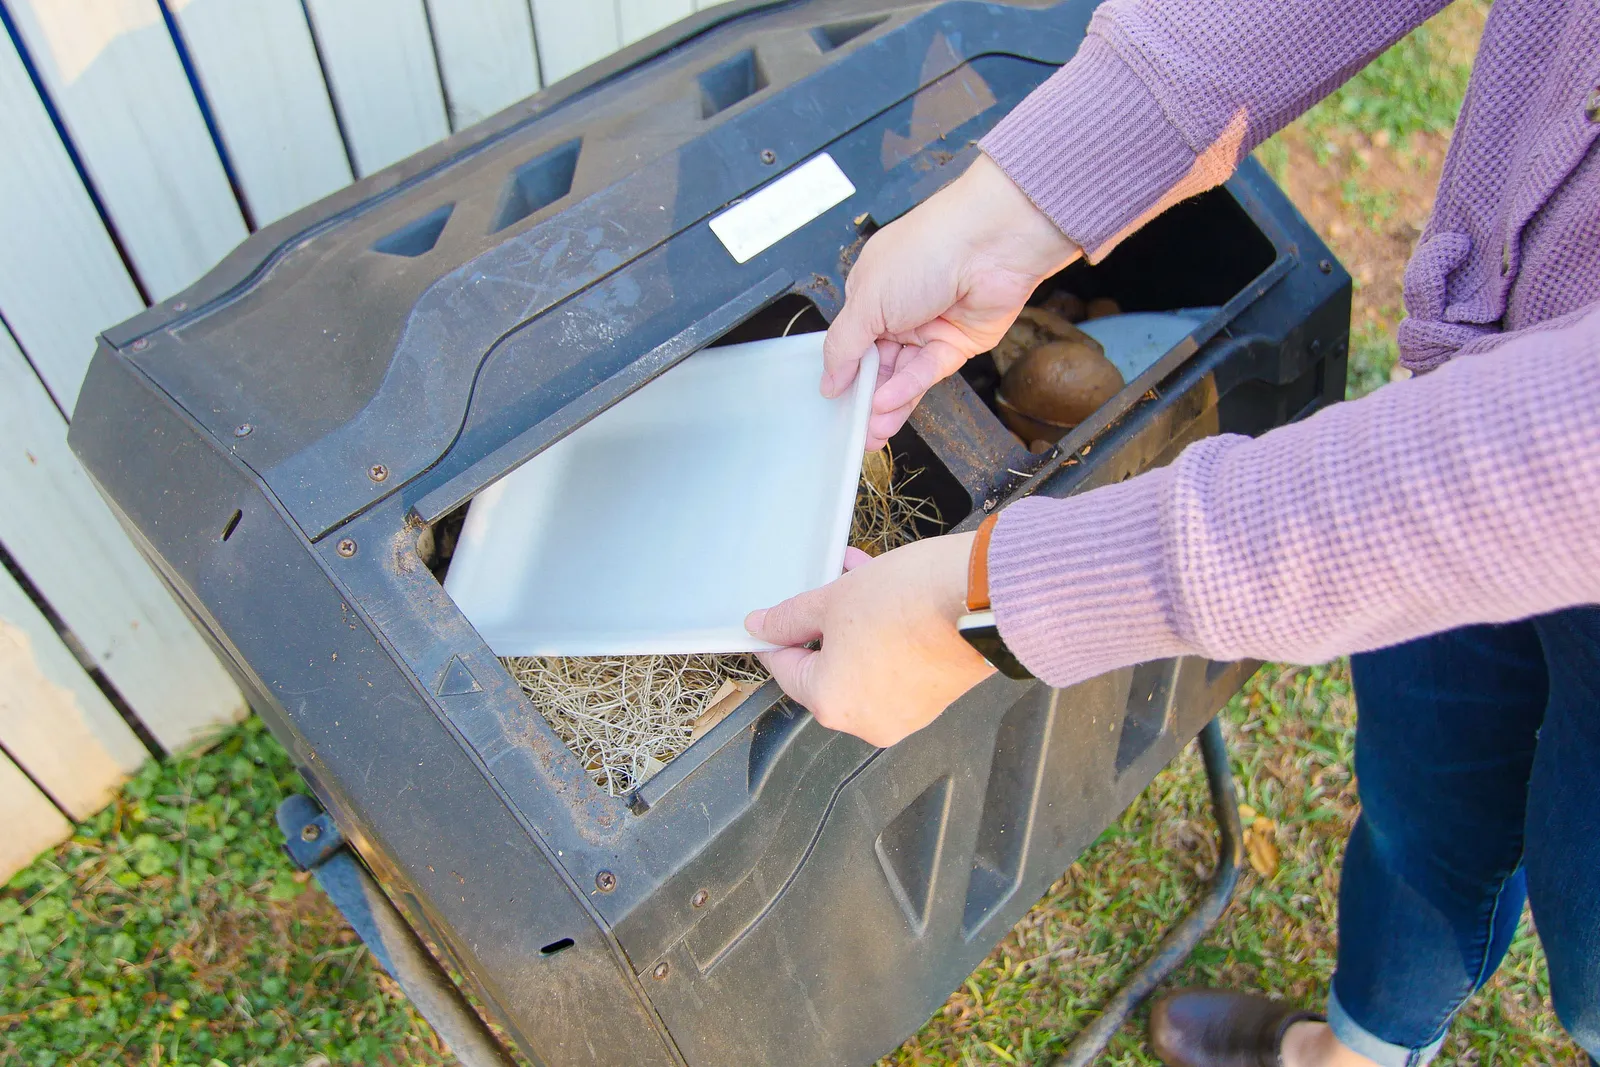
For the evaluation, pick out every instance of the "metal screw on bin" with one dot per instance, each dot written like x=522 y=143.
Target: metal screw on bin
x=662 y=969
x=141 y=344
x=377 y=472
x=699 y=899
x=243 y=430
x=768 y=156
x=605 y=881
x=181 y=305
x=310 y=832
x=1325 y=266
x=346 y=548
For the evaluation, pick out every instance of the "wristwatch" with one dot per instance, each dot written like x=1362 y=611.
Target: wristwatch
x=978 y=625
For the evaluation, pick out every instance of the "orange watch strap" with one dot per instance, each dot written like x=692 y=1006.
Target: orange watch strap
x=978 y=566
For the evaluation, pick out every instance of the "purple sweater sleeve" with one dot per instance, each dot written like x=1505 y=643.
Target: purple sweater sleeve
x=1165 y=97
x=1468 y=495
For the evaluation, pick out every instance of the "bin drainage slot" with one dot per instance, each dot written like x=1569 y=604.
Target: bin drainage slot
x=729 y=82
x=835 y=34
x=1008 y=802
x=1149 y=703
x=909 y=848
x=556 y=946
x=415 y=237
x=537 y=184
x=232 y=524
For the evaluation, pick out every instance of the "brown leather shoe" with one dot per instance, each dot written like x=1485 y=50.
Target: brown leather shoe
x=1221 y=1028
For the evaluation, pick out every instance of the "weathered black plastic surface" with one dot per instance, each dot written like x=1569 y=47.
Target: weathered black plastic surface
x=846 y=890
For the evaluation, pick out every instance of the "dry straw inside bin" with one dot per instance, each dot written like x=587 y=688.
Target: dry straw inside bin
x=625 y=717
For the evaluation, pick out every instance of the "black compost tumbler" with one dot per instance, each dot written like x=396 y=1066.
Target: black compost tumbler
x=292 y=443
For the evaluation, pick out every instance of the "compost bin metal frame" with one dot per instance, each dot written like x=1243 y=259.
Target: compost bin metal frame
x=779 y=892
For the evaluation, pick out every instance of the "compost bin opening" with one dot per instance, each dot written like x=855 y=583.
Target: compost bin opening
x=1197 y=255
x=625 y=717
x=786 y=315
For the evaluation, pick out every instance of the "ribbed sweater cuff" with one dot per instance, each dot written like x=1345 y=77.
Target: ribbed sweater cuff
x=1079 y=586
x=1092 y=148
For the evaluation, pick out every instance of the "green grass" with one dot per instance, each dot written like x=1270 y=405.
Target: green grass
x=172 y=930
x=1274 y=156
x=1374 y=206
x=1373 y=356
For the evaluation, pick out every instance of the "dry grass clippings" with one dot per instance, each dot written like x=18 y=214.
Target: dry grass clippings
x=890 y=512
x=625 y=717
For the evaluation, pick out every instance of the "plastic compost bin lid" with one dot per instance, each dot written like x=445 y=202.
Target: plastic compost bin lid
x=438 y=323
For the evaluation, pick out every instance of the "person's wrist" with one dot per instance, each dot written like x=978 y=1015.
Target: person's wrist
x=1005 y=224
x=948 y=574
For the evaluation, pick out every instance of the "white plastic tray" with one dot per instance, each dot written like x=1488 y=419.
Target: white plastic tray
x=725 y=485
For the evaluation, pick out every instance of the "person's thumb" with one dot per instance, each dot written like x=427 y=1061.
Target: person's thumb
x=853 y=333
x=794 y=669
x=793 y=622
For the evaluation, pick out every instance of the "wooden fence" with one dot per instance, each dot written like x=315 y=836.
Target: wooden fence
x=140 y=141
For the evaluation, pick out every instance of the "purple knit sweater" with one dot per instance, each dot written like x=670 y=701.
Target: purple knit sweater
x=1469 y=494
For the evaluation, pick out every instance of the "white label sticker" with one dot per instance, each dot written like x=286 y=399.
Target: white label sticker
x=751 y=226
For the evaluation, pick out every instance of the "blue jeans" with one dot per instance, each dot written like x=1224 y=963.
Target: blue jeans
x=1478 y=762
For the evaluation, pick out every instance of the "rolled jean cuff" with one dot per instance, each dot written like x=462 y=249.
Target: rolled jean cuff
x=1359 y=1039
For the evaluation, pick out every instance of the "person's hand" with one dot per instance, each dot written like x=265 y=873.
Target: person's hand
x=891 y=658
x=938 y=286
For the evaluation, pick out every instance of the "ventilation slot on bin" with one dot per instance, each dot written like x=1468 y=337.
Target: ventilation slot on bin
x=1014 y=779
x=909 y=850
x=729 y=82
x=835 y=34
x=774 y=731
x=1149 y=700
x=538 y=183
x=417 y=237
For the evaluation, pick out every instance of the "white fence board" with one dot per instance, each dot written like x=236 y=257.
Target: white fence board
x=32 y=823
x=486 y=56
x=572 y=34
x=258 y=66
x=69 y=545
x=54 y=720
x=382 y=74
x=114 y=75
x=61 y=279
x=641 y=18
x=400 y=75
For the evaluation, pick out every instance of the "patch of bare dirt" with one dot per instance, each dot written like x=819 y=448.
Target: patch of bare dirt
x=1369 y=199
